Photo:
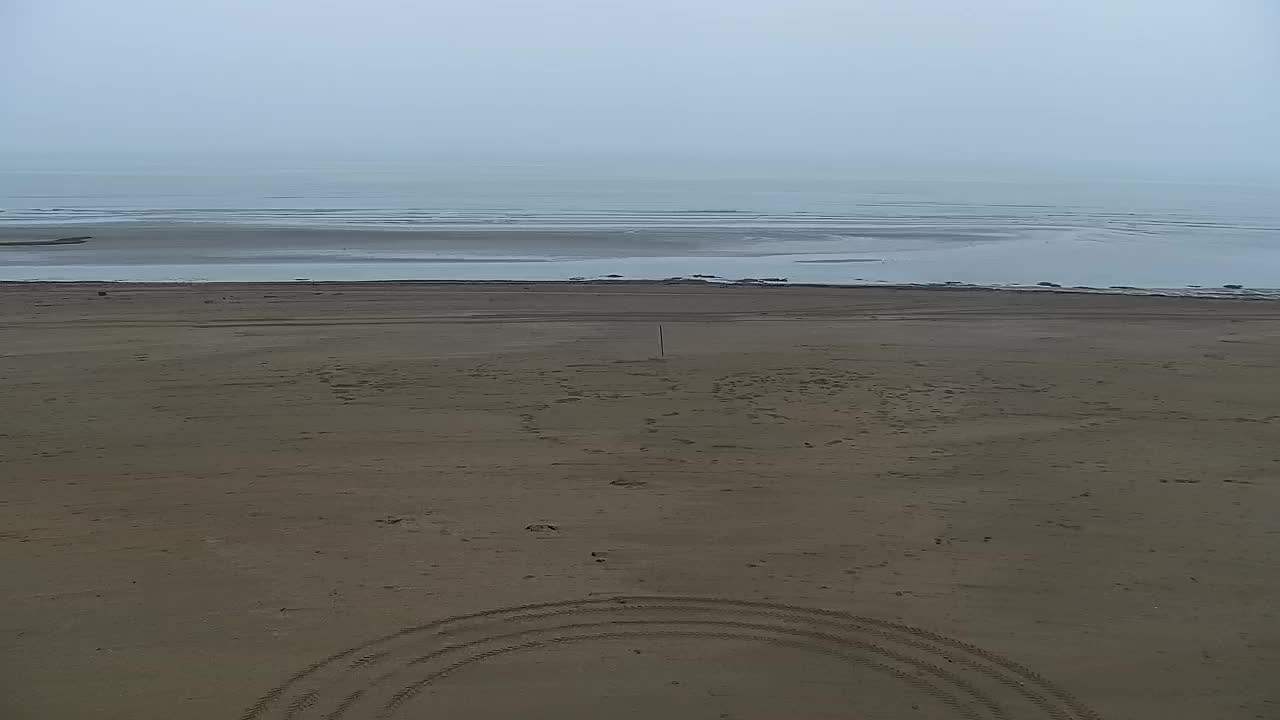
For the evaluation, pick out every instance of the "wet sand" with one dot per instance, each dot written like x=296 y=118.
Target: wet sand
x=1001 y=505
x=211 y=243
x=844 y=253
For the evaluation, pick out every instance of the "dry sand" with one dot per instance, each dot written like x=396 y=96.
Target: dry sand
x=209 y=490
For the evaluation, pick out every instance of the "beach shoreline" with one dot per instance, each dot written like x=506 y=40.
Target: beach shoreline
x=1208 y=294
x=858 y=252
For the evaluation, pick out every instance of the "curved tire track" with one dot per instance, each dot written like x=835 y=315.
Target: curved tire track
x=382 y=675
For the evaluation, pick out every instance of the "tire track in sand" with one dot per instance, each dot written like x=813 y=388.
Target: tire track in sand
x=380 y=677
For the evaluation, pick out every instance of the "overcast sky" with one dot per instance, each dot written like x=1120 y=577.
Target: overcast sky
x=1148 y=83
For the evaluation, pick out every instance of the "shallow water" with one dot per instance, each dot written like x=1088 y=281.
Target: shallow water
x=281 y=218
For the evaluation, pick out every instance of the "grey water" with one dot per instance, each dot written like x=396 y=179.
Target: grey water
x=547 y=216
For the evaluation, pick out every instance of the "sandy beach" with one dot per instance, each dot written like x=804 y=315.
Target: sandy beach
x=303 y=501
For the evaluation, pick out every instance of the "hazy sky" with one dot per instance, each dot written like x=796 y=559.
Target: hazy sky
x=1147 y=83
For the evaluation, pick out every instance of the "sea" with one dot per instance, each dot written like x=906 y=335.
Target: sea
x=726 y=218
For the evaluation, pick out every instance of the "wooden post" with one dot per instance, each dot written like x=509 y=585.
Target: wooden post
x=662 y=343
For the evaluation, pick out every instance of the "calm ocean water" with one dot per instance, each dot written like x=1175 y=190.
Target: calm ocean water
x=899 y=225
